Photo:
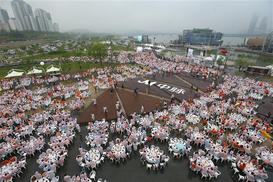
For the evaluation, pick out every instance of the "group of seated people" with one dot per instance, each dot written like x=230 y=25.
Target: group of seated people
x=153 y=157
x=222 y=122
x=32 y=113
x=12 y=167
x=180 y=64
x=91 y=159
x=84 y=177
x=179 y=147
x=202 y=163
x=231 y=106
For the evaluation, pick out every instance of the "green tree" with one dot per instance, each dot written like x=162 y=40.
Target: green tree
x=242 y=63
x=98 y=51
x=209 y=52
x=219 y=62
x=30 y=52
x=111 y=51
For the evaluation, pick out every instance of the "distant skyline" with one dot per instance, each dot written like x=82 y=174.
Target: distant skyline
x=164 y=16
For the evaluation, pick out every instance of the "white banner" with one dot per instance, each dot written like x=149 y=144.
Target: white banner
x=190 y=52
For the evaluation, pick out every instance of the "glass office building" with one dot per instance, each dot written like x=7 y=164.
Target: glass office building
x=202 y=37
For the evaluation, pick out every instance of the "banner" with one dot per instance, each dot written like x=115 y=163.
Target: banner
x=190 y=53
x=221 y=58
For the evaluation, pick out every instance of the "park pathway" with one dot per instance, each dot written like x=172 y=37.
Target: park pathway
x=121 y=104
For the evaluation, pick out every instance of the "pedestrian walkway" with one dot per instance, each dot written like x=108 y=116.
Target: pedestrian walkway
x=121 y=104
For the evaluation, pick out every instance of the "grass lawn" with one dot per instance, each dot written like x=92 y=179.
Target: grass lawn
x=260 y=60
x=73 y=67
x=53 y=55
x=257 y=77
x=63 y=53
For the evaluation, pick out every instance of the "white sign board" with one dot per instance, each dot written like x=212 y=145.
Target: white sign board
x=139 y=49
x=190 y=53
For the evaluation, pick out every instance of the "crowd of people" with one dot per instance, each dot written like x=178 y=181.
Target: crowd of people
x=223 y=124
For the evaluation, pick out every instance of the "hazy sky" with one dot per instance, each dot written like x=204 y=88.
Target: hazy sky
x=120 y=16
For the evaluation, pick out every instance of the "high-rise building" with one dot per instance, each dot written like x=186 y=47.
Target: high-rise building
x=24 y=15
x=44 y=20
x=25 y=20
x=4 y=16
x=4 y=20
x=18 y=25
x=263 y=25
x=145 y=39
x=13 y=24
x=253 y=24
x=268 y=47
x=202 y=37
x=39 y=15
x=55 y=27
x=49 y=23
x=4 y=27
x=34 y=23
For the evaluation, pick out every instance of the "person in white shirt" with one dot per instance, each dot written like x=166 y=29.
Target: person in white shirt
x=105 y=110
x=94 y=102
x=117 y=106
x=93 y=117
x=142 y=109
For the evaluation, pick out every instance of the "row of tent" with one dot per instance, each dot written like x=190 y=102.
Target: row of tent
x=33 y=71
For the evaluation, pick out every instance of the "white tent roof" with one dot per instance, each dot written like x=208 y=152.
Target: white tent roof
x=53 y=69
x=161 y=47
x=147 y=48
x=35 y=71
x=139 y=49
x=14 y=73
x=209 y=59
x=270 y=66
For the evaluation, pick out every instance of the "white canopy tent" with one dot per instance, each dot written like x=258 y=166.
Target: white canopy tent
x=147 y=48
x=52 y=69
x=271 y=68
x=139 y=49
x=160 y=47
x=208 y=59
x=14 y=73
x=35 y=71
